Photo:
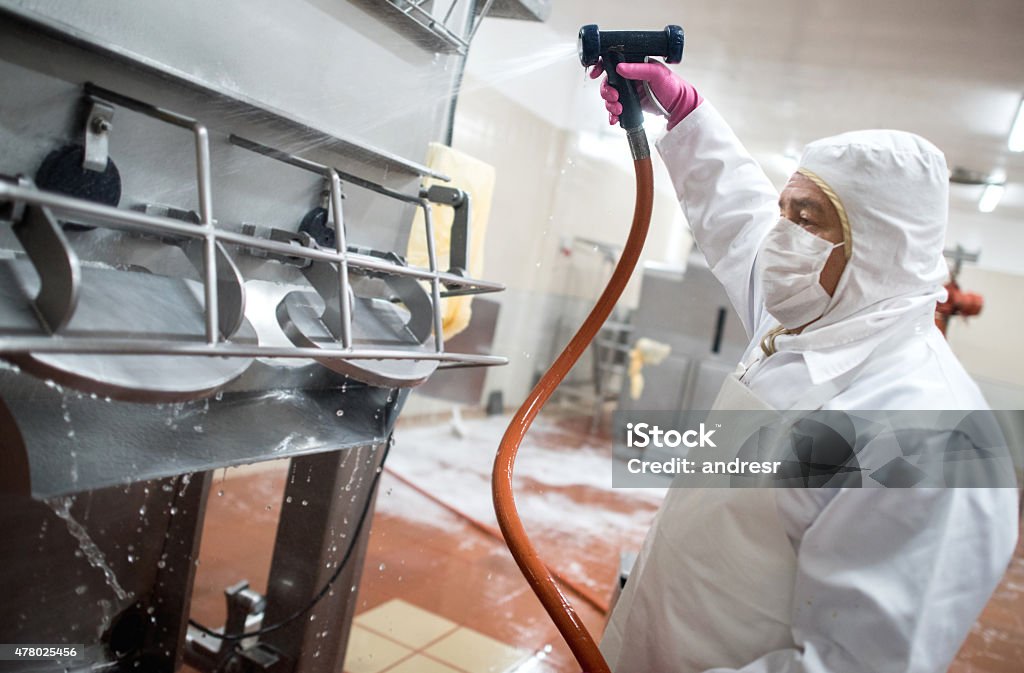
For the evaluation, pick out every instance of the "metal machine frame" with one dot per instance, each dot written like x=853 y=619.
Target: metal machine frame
x=119 y=506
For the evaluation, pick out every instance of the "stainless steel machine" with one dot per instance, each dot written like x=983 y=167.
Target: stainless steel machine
x=203 y=214
x=690 y=312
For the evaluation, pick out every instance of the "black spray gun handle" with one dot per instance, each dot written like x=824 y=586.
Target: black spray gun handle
x=628 y=46
x=632 y=115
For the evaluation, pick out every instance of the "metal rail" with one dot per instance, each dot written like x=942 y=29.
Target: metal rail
x=93 y=346
x=207 y=231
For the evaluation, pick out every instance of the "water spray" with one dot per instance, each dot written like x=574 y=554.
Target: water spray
x=609 y=48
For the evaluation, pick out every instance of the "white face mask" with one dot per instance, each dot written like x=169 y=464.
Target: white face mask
x=789 y=262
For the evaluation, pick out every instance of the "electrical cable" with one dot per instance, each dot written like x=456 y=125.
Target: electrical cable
x=533 y=568
x=327 y=586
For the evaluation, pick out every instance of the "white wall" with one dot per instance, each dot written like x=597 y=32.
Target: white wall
x=988 y=344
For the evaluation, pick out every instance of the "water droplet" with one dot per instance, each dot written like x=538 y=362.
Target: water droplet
x=81 y=589
x=219 y=396
x=380 y=567
x=288 y=499
x=340 y=412
x=220 y=491
x=305 y=502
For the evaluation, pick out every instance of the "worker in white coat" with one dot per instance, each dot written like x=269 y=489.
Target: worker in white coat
x=835 y=280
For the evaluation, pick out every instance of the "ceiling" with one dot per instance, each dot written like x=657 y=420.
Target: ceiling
x=787 y=72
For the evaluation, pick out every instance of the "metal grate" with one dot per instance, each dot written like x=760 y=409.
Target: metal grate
x=421 y=15
x=15 y=194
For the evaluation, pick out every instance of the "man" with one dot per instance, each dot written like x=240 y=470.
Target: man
x=835 y=280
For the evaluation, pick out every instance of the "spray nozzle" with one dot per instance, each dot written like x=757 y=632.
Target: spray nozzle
x=628 y=46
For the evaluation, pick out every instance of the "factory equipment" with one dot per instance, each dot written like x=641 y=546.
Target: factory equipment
x=596 y=382
x=200 y=208
x=688 y=310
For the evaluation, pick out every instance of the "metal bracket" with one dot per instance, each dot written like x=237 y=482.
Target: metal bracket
x=386 y=255
x=458 y=252
x=60 y=274
x=12 y=210
x=97 y=134
x=245 y=612
x=298 y=239
x=243 y=603
x=230 y=284
x=324 y=279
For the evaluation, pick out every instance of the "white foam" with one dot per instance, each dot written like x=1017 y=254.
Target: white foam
x=458 y=472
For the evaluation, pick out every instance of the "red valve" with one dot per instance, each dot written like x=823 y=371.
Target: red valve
x=957 y=303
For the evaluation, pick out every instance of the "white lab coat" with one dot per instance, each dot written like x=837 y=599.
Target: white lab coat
x=883 y=580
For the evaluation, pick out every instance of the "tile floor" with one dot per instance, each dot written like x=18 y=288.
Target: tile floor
x=399 y=636
x=439 y=596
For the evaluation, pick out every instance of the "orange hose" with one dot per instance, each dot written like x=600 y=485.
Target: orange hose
x=578 y=589
x=537 y=575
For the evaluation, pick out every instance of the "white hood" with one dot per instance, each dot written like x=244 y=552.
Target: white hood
x=894 y=187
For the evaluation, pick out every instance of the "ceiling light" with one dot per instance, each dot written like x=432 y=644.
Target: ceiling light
x=1016 y=140
x=990 y=197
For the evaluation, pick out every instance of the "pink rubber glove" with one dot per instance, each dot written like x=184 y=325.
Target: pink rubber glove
x=677 y=95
